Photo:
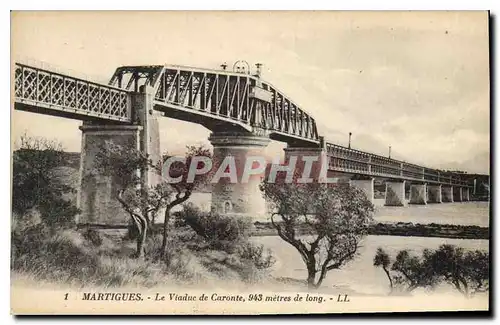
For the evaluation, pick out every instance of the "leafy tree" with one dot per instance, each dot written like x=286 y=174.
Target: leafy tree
x=127 y=165
x=35 y=181
x=468 y=272
x=383 y=260
x=413 y=271
x=184 y=188
x=324 y=223
x=406 y=272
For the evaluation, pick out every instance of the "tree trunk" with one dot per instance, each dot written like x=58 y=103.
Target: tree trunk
x=321 y=278
x=141 y=239
x=390 y=279
x=311 y=274
x=165 y=231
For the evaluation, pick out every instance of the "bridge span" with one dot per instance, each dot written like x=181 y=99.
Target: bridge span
x=242 y=111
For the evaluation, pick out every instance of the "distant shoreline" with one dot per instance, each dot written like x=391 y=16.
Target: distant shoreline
x=405 y=229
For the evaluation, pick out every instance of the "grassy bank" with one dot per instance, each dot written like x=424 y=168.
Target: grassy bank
x=92 y=258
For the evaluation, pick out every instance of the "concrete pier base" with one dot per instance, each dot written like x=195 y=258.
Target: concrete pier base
x=418 y=194
x=457 y=194
x=447 y=194
x=465 y=194
x=434 y=194
x=366 y=185
x=96 y=196
x=238 y=198
x=395 y=193
x=97 y=199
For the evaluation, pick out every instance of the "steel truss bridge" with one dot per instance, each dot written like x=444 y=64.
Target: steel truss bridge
x=209 y=97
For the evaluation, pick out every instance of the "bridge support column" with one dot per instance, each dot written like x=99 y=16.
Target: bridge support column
x=238 y=198
x=301 y=155
x=457 y=194
x=418 y=194
x=395 y=193
x=366 y=185
x=96 y=196
x=465 y=194
x=434 y=192
x=96 y=199
x=447 y=193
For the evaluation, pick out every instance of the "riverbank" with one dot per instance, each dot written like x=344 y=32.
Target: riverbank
x=404 y=229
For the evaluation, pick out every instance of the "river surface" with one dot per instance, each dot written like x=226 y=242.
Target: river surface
x=461 y=213
x=359 y=275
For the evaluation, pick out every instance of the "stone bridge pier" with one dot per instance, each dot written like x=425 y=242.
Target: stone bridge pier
x=366 y=184
x=434 y=194
x=232 y=194
x=308 y=162
x=465 y=194
x=447 y=193
x=395 y=193
x=96 y=197
x=418 y=193
x=457 y=194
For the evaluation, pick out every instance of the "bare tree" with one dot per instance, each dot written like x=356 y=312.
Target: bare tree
x=324 y=223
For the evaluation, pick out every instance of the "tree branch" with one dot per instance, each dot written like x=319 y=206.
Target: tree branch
x=290 y=239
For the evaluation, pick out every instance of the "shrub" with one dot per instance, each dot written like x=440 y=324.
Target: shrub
x=93 y=237
x=220 y=231
x=36 y=183
x=222 y=242
x=91 y=258
x=57 y=255
x=262 y=259
x=67 y=256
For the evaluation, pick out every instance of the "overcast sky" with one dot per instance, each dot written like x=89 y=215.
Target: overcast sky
x=417 y=81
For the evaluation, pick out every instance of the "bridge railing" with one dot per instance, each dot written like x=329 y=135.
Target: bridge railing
x=60 y=93
x=42 y=65
x=354 y=161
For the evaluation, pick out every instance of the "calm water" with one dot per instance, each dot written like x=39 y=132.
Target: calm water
x=462 y=213
x=359 y=275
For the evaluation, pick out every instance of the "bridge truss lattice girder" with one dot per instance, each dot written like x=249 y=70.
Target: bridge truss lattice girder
x=238 y=98
x=212 y=98
x=59 y=94
x=347 y=160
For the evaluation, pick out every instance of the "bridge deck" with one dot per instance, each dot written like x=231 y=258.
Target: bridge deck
x=353 y=161
x=220 y=96
x=53 y=93
x=204 y=96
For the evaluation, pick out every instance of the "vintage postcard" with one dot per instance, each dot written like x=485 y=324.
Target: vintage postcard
x=265 y=162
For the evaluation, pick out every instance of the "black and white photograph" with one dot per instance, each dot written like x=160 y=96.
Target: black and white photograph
x=250 y=162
